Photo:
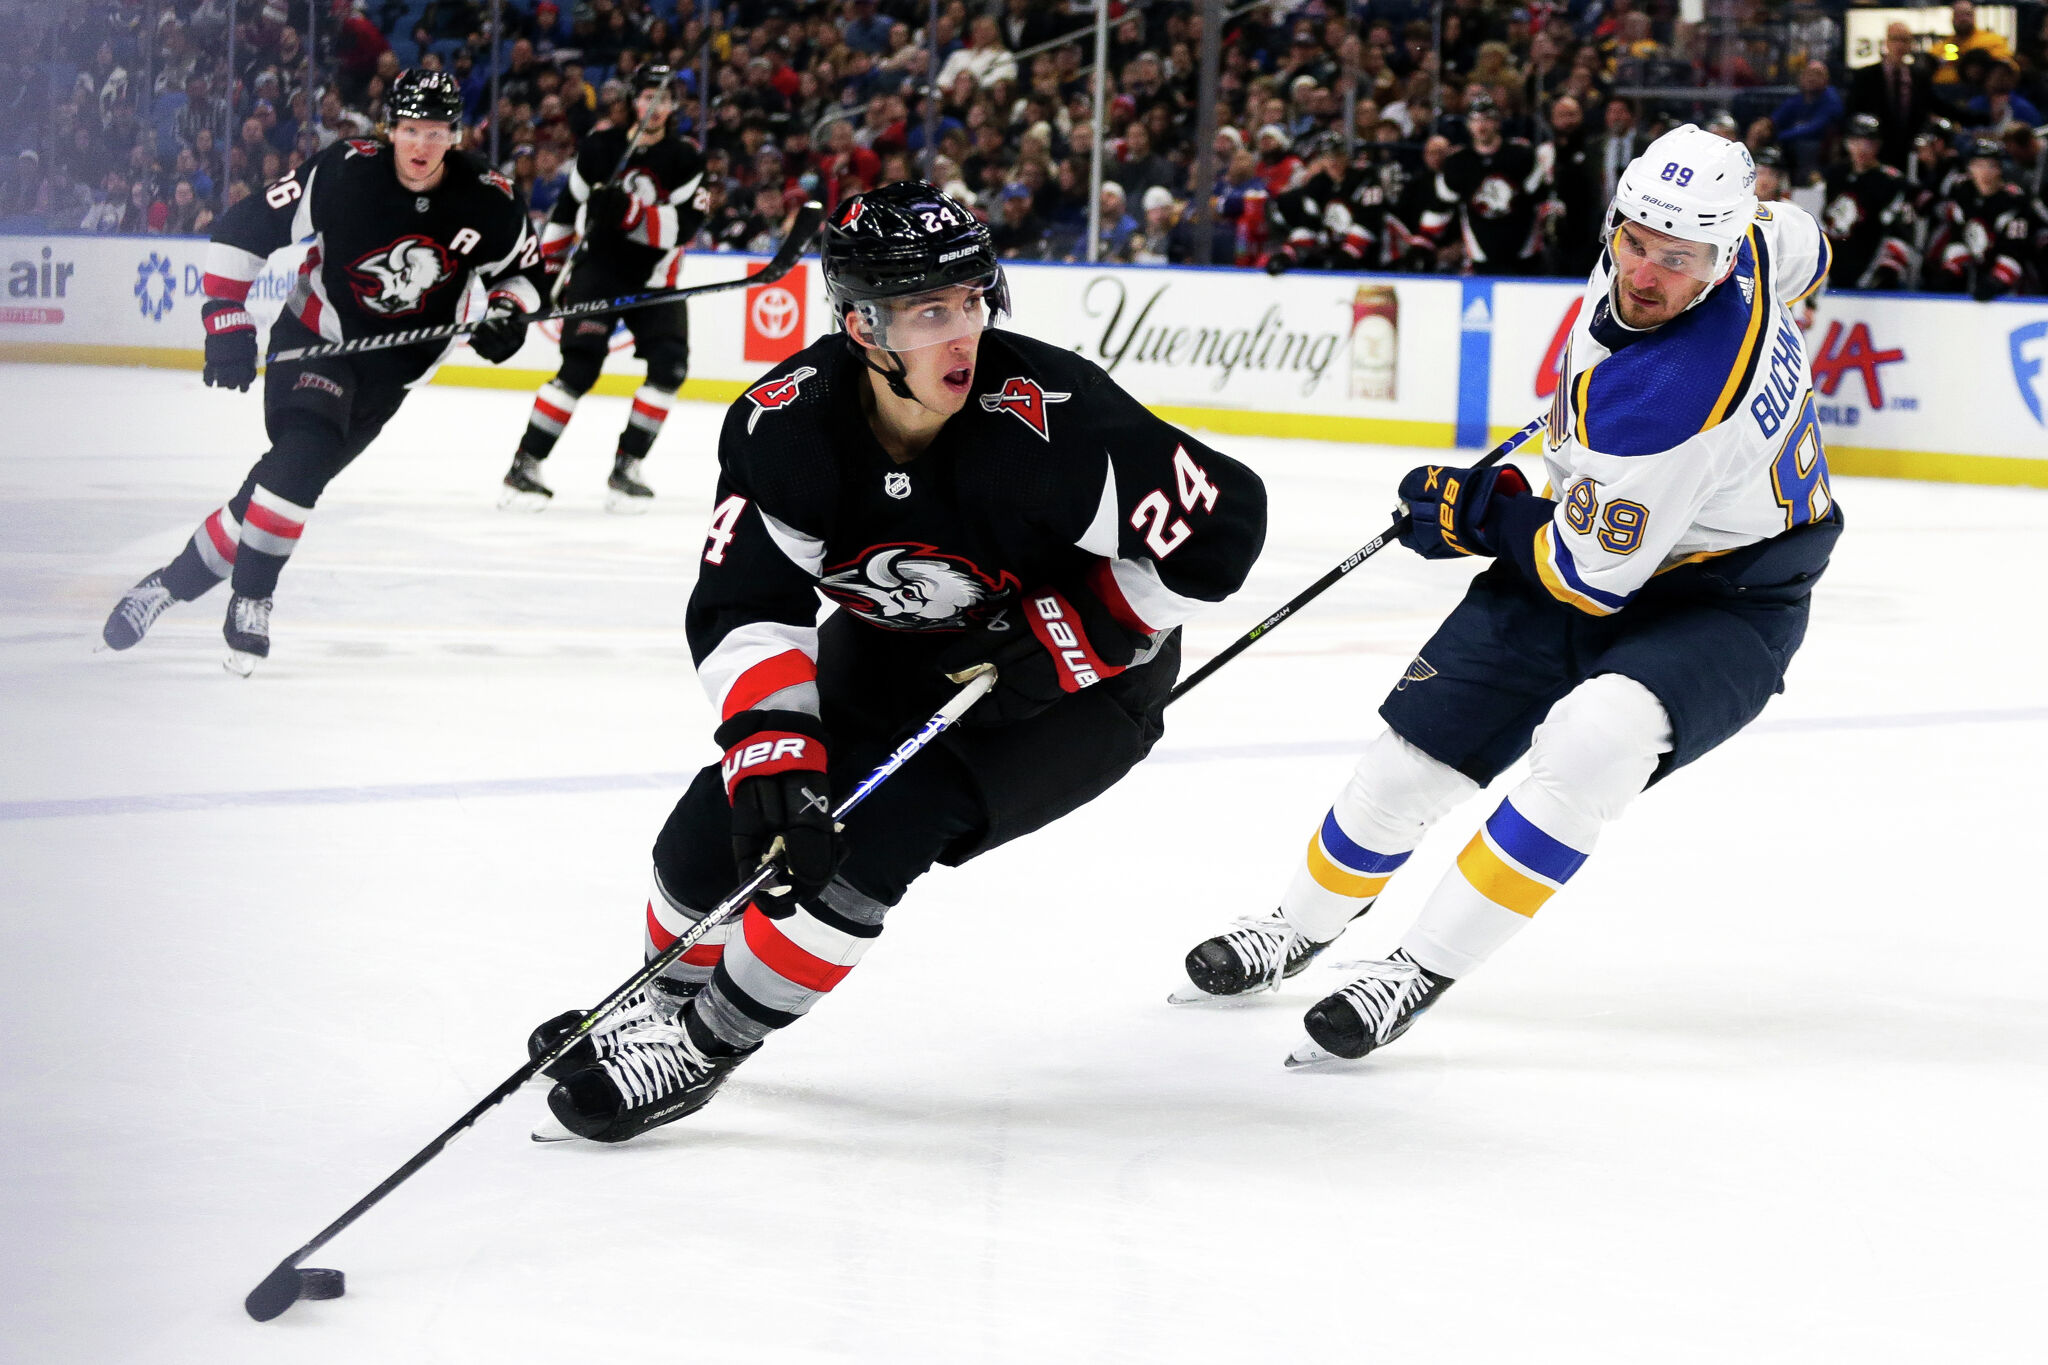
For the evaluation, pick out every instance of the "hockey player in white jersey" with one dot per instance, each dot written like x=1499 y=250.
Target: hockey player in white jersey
x=1638 y=613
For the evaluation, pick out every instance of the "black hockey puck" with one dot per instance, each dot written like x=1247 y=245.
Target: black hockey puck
x=317 y=1283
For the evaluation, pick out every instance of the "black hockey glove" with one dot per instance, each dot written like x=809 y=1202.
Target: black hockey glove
x=1060 y=645
x=1448 y=507
x=781 y=801
x=230 y=344
x=502 y=332
x=610 y=206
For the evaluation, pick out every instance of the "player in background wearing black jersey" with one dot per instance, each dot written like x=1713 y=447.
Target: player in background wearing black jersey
x=965 y=496
x=1990 y=237
x=1869 y=216
x=634 y=211
x=399 y=229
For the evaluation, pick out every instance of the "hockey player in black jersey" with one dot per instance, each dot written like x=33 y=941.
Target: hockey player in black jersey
x=635 y=200
x=1990 y=237
x=1869 y=216
x=399 y=229
x=965 y=496
x=1497 y=184
x=1334 y=217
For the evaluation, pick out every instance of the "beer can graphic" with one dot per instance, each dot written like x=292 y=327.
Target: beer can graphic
x=1375 y=341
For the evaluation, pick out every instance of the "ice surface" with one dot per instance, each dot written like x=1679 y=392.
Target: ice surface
x=1766 y=1084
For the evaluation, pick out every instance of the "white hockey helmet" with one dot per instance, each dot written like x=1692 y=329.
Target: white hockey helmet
x=1693 y=185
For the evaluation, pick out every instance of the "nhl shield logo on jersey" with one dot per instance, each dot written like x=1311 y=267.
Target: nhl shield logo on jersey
x=776 y=393
x=914 y=587
x=896 y=486
x=1027 y=400
x=395 y=280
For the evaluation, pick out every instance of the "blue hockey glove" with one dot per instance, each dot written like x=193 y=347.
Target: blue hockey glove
x=1448 y=507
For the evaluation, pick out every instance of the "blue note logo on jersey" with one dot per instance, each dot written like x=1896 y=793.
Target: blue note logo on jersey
x=1419 y=671
x=2029 y=354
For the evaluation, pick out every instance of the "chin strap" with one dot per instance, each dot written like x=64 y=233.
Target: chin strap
x=897 y=379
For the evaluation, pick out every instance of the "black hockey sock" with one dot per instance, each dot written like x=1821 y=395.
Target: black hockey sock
x=209 y=556
x=270 y=532
x=552 y=408
x=643 y=424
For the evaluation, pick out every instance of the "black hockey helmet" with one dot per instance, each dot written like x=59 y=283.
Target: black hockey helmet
x=1864 y=125
x=655 y=76
x=1937 y=131
x=430 y=95
x=903 y=239
x=896 y=242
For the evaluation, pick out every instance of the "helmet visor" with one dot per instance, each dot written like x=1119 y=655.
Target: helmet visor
x=929 y=319
x=1632 y=244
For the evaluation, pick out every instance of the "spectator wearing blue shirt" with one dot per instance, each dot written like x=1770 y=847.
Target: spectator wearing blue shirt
x=868 y=31
x=1806 y=123
x=2000 y=106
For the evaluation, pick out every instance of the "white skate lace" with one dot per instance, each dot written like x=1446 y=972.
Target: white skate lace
x=646 y=1007
x=1263 y=943
x=1386 y=993
x=654 y=1059
x=252 y=616
x=143 y=604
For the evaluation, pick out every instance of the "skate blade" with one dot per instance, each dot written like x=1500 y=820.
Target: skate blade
x=1309 y=1054
x=1195 y=995
x=239 y=663
x=551 y=1130
x=516 y=500
x=623 y=505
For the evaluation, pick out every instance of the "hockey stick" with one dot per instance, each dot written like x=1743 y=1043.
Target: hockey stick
x=289 y=1283
x=1321 y=585
x=800 y=233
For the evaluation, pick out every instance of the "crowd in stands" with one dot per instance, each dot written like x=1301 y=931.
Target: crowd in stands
x=1381 y=136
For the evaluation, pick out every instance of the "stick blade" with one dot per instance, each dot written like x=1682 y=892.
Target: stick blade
x=279 y=1291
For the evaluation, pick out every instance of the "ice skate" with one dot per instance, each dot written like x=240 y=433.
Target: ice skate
x=248 y=633
x=627 y=496
x=136 y=612
x=660 y=1071
x=1370 y=1012
x=523 y=491
x=1255 y=954
x=658 y=1002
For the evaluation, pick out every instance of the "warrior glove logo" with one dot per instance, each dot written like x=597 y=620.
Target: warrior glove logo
x=775 y=393
x=394 y=280
x=1027 y=401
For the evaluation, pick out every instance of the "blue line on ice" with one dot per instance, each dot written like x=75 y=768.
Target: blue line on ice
x=377 y=793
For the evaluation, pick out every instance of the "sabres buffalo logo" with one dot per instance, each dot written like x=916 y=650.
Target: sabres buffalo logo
x=395 y=280
x=773 y=394
x=915 y=587
x=1025 y=399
